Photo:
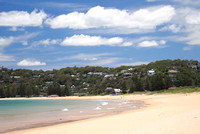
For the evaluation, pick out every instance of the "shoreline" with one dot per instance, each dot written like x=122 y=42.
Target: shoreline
x=88 y=115
x=165 y=113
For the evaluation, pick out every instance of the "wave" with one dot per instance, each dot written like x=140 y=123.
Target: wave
x=98 y=108
x=104 y=103
x=65 y=110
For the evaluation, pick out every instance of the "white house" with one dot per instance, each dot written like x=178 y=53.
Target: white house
x=151 y=72
x=73 y=87
x=109 y=75
x=117 y=91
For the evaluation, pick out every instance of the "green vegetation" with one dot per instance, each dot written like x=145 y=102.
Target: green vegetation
x=155 y=77
x=181 y=90
x=185 y=89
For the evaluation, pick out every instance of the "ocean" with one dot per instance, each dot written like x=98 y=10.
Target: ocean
x=22 y=114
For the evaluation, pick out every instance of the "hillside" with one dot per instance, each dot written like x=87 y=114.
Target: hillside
x=67 y=81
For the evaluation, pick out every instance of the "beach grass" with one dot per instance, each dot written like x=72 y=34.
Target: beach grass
x=171 y=91
x=181 y=90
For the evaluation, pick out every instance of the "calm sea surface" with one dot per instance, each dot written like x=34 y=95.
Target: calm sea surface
x=21 y=114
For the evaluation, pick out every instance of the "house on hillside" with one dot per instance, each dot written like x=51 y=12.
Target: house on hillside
x=36 y=76
x=51 y=75
x=80 y=94
x=123 y=71
x=151 y=72
x=127 y=75
x=130 y=69
x=15 y=77
x=90 y=73
x=109 y=90
x=109 y=75
x=172 y=72
x=49 y=82
x=73 y=87
x=84 y=75
x=62 y=86
x=117 y=91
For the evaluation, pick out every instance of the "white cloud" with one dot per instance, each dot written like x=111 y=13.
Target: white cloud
x=193 y=38
x=188 y=2
x=30 y=62
x=104 y=62
x=187 y=20
x=6 y=41
x=46 y=42
x=16 y=29
x=152 y=43
x=127 y=44
x=174 y=28
x=193 y=18
x=85 y=57
x=86 y=40
x=22 y=18
x=6 y=57
x=98 y=17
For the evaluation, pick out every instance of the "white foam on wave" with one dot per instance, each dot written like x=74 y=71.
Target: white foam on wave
x=126 y=102
x=123 y=103
x=111 y=108
x=104 y=103
x=98 y=108
x=65 y=110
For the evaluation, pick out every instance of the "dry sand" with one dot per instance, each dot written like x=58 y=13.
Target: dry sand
x=164 y=114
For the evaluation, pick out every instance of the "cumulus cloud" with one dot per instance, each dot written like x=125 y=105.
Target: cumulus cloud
x=86 y=40
x=22 y=18
x=188 y=20
x=46 y=42
x=152 y=43
x=193 y=18
x=97 y=17
x=30 y=62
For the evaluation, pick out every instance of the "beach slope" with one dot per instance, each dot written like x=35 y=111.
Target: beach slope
x=164 y=114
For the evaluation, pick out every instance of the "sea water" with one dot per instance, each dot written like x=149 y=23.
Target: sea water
x=21 y=114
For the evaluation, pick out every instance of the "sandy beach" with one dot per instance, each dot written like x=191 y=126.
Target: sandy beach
x=164 y=114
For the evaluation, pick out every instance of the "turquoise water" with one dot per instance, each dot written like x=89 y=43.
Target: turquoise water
x=21 y=114
x=10 y=108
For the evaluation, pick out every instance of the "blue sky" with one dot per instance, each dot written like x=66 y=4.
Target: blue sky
x=47 y=35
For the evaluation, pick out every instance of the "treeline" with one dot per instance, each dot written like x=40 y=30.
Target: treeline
x=99 y=80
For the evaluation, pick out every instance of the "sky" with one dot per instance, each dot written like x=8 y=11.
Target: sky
x=52 y=34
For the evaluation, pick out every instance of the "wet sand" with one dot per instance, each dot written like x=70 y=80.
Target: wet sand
x=164 y=114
